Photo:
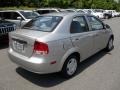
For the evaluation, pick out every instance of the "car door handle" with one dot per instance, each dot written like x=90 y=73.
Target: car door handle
x=77 y=39
x=96 y=35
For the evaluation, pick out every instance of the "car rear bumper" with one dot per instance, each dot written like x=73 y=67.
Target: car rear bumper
x=33 y=64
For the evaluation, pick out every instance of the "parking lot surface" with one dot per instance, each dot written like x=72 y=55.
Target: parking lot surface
x=99 y=72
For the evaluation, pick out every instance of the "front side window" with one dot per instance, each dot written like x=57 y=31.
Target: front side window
x=43 y=23
x=15 y=15
x=79 y=25
x=95 y=23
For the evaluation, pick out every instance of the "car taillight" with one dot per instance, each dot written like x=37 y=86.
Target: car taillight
x=41 y=48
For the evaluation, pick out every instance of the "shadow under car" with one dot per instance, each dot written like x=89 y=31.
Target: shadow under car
x=50 y=80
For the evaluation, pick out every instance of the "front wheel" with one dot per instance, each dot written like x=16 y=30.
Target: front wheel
x=110 y=45
x=70 y=67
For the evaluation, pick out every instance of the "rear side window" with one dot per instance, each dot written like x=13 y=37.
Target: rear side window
x=29 y=14
x=95 y=23
x=79 y=25
x=15 y=15
x=43 y=23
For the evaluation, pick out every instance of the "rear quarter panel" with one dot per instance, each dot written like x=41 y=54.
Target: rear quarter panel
x=59 y=51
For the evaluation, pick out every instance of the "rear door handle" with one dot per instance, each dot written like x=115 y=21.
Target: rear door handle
x=96 y=35
x=75 y=39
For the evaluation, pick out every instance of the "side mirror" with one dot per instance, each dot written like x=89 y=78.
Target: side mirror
x=107 y=26
x=19 y=18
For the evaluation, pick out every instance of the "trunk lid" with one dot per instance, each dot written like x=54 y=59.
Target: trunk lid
x=22 y=41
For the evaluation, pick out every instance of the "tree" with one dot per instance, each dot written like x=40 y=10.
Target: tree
x=101 y=4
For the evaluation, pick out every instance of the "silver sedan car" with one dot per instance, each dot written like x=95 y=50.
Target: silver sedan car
x=57 y=42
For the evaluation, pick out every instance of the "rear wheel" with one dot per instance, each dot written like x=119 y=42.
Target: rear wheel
x=70 y=67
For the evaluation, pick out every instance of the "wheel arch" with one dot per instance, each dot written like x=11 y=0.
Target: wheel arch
x=70 y=52
x=112 y=36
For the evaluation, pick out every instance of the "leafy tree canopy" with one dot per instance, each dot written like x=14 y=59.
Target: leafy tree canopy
x=101 y=4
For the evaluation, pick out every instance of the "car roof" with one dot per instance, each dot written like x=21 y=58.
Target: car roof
x=62 y=14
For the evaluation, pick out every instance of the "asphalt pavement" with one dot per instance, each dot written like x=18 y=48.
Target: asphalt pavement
x=99 y=72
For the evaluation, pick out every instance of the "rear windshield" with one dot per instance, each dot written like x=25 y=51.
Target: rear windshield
x=43 y=23
x=29 y=14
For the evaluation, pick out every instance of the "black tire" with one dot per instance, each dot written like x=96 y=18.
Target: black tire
x=109 y=47
x=65 y=70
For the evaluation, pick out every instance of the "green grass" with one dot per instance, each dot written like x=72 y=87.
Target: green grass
x=17 y=8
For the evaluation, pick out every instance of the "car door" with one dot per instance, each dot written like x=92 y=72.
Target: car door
x=81 y=38
x=100 y=37
x=18 y=19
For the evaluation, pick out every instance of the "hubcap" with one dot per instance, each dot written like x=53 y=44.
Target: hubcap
x=71 y=66
x=110 y=44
